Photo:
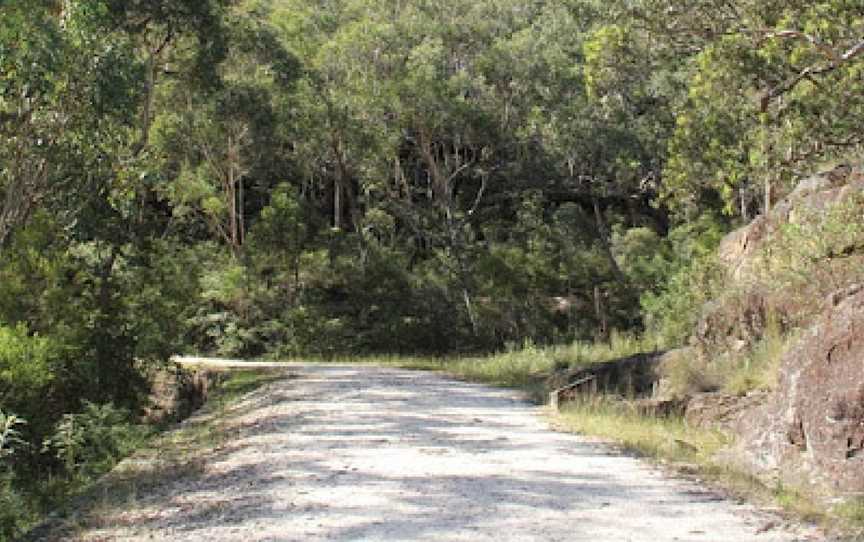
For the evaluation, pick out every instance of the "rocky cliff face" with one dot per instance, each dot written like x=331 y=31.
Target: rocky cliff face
x=810 y=430
x=750 y=255
x=739 y=251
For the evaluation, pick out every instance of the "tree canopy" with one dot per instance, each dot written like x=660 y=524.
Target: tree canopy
x=271 y=177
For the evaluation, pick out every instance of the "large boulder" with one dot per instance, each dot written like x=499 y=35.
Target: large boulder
x=811 y=431
x=176 y=392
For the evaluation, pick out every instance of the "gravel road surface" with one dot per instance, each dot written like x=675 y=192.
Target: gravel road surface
x=363 y=453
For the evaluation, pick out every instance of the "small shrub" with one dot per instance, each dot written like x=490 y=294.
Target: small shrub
x=693 y=276
x=759 y=368
x=10 y=436
x=90 y=442
x=12 y=506
x=14 y=512
x=26 y=367
x=688 y=374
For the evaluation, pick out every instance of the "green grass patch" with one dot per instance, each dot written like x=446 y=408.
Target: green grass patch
x=760 y=368
x=668 y=439
x=850 y=513
x=800 y=504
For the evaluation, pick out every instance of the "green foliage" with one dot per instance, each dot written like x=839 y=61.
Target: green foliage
x=10 y=437
x=759 y=368
x=527 y=366
x=282 y=224
x=89 y=442
x=28 y=369
x=643 y=256
x=772 y=90
x=655 y=437
x=692 y=277
x=14 y=513
x=13 y=509
x=817 y=253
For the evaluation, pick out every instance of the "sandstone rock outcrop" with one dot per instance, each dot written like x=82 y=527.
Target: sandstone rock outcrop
x=811 y=430
x=721 y=410
x=740 y=249
x=752 y=298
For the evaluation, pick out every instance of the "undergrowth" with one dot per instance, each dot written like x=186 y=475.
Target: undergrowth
x=759 y=368
x=87 y=489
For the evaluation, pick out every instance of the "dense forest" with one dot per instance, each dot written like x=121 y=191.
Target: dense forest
x=319 y=177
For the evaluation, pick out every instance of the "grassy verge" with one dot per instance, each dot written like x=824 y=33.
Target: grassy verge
x=689 y=450
x=666 y=439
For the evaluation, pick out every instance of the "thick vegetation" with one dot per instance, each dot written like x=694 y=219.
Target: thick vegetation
x=288 y=177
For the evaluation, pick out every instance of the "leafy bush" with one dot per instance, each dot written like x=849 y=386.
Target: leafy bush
x=693 y=276
x=91 y=441
x=817 y=253
x=759 y=368
x=643 y=256
x=688 y=374
x=14 y=515
x=27 y=371
x=10 y=437
x=12 y=506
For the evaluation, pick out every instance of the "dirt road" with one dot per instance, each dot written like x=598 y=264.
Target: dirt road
x=363 y=453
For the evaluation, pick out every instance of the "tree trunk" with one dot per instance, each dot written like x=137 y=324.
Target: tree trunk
x=241 y=218
x=341 y=191
x=602 y=334
x=232 y=196
x=337 y=202
x=147 y=111
x=603 y=237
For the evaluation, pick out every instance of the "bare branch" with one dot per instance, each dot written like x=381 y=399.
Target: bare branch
x=836 y=60
x=456 y=173
x=479 y=196
x=853 y=52
x=824 y=48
